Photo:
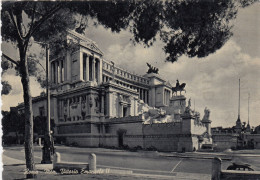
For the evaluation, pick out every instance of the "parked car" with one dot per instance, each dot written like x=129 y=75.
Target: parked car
x=239 y=166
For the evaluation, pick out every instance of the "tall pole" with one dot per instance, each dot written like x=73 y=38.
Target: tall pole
x=239 y=101
x=248 y=107
x=48 y=89
x=46 y=153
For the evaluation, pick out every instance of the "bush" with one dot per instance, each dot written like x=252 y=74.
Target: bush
x=74 y=144
x=151 y=148
x=126 y=147
x=136 y=148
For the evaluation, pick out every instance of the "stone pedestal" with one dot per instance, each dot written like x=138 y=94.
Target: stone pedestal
x=177 y=104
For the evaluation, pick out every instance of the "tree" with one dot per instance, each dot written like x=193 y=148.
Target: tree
x=6 y=88
x=187 y=27
x=13 y=122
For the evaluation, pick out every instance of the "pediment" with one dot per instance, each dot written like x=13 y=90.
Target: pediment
x=84 y=41
x=91 y=45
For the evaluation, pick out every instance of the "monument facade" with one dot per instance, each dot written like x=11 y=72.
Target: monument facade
x=95 y=103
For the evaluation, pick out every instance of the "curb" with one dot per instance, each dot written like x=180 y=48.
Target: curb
x=196 y=157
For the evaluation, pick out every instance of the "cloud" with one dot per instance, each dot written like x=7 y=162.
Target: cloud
x=212 y=81
x=16 y=95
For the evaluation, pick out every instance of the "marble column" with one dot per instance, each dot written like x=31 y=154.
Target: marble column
x=80 y=66
x=93 y=69
x=68 y=66
x=102 y=103
x=141 y=93
x=60 y=62
x=52 y=72
x=87 y=68
x=56 y=72
x=97 y=70
x=145 y=96
x=100 y=71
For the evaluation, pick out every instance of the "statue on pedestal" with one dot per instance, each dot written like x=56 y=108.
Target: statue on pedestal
x=179 y=87
x=206 y=114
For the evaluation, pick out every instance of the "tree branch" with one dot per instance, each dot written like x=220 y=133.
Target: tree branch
x=31 y=26
x=10 y=59
x=44 y=18
x=31 y=59
x=15 y=25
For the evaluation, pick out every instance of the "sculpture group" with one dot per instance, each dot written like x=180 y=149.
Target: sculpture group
x=152 y=69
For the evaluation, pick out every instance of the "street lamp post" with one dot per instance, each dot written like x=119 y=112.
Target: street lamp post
x=46 y=150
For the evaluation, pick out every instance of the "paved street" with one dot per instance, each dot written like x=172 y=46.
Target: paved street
x=137 y=162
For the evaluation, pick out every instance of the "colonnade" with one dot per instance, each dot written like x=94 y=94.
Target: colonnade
x=167 y=96
x=57 y=71
x=143 y=94
x=91 y=68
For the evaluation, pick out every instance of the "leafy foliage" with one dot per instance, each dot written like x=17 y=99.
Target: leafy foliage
x=199 y=28
x=189 y=27
x=147 y=21
x=6 y=88
x=12 y=122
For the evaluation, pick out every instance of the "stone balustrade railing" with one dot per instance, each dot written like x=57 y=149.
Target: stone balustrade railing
x=123 y=73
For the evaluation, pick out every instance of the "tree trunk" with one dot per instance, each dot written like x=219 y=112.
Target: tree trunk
x=28 y=139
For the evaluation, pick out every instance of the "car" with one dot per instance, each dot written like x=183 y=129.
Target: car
x=240 y=166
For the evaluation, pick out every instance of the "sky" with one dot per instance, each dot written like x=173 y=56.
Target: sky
x=211 y=82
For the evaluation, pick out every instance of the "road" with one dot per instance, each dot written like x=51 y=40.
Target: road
x=116 y=159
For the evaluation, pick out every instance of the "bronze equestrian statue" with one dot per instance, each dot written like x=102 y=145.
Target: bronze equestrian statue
x=179 y=87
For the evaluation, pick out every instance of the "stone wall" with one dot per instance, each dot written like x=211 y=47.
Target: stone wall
x=224 y=141
x=132 y=132
x=162 y=136
x=254 y=138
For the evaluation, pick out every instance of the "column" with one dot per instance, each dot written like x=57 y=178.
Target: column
x=100 y=71
x=145 y=96
x=56 y=72
x=52 y=72
x=68 y=108
x=87 y=68
x=65 y=69
x=93 y=69
x=97 y=70
x=164 y=96
x=60 y=62
x=102 y=103
x=68 y=67
x=80 y=66
x=141 y=94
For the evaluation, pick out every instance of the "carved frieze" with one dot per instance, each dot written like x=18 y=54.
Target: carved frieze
x=83 y=106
